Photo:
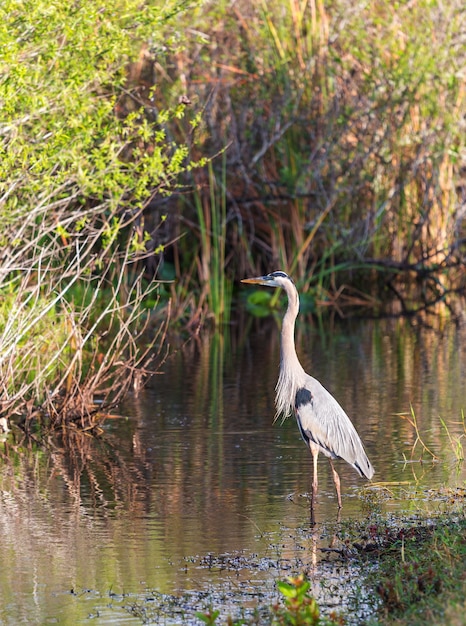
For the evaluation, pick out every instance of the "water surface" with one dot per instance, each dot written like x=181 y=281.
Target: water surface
x=194 y=496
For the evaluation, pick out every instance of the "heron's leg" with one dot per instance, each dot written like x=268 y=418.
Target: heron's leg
x=315 y=453
x=336 y=480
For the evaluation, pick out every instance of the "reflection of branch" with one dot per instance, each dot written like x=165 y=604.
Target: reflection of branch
x=83 y=460
x=92 y=472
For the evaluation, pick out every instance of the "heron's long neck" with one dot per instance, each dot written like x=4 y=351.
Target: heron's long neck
x=291 y=372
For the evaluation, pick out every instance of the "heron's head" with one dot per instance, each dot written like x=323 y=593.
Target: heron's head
x=275 y=279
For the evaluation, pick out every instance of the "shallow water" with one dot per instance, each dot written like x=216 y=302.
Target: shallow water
x=194 y=496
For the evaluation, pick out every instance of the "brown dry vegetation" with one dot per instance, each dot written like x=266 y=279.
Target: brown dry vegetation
x=343 y=131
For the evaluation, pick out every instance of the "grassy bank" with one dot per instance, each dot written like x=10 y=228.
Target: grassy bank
x=420 y=579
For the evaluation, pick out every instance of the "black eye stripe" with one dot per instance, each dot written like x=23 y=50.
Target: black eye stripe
x=280 y=274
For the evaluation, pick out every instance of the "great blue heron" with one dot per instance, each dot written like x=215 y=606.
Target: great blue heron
x=323 y=424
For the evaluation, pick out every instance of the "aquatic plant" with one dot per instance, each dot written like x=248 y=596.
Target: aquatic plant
x=456 y=440
x=300 y=608
x=297 y=608
x=419 y=439
x=211 y=211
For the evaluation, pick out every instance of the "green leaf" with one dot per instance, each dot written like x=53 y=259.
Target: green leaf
x=286 y=589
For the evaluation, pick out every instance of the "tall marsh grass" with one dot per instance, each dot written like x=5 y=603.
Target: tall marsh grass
x=211 y=211
x=344 y=136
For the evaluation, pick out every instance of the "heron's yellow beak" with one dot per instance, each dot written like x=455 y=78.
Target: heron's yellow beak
x=253 y=281
x=267 y=281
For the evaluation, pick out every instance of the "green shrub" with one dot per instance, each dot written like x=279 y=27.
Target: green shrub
x=83 y=149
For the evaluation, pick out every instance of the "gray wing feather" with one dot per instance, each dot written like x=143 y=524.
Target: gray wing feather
x=322 y=421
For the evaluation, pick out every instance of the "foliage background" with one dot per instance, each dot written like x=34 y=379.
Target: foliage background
x=344 y=127
x=76 y=171
x=200 y=142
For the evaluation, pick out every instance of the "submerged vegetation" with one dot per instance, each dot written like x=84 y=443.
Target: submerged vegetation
x=408 y=570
